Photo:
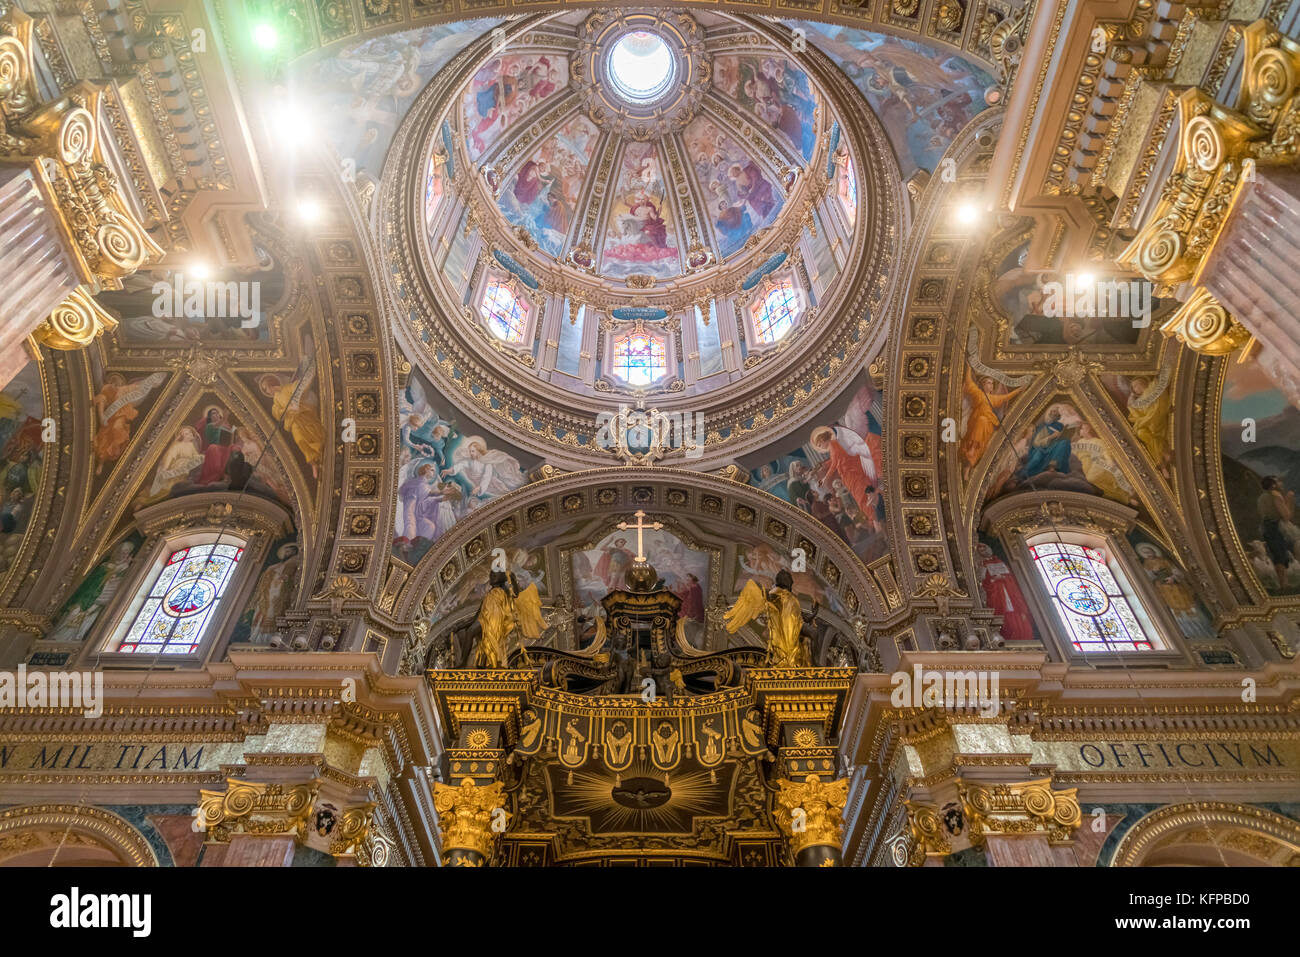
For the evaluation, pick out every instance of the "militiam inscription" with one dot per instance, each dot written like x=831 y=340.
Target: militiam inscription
x=115 y=756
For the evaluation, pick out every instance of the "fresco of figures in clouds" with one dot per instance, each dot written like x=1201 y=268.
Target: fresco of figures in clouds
x=835 y=476
x=444 y=474
x=923 y=96
x=642 y=236
x=1061 y=451
x=363 y=92
x=1260 y=445
x=542 y=195
x=775 y=91
x=504 y=90
x=742 y=197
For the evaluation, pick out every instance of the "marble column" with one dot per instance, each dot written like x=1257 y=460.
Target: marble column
x=1252 y=267
x=259 y=850
x=36 y=272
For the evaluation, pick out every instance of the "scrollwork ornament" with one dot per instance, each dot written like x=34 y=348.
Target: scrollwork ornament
x=74 y=323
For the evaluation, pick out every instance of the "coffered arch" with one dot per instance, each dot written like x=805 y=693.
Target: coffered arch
x=617 y=493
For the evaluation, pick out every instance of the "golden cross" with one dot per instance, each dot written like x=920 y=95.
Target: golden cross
x=640 y=528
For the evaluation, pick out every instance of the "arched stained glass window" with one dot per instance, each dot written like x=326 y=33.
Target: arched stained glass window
x=776 y=312
x=181 y=599
x=639 y=358
x=504 y=312
x=1095 y=610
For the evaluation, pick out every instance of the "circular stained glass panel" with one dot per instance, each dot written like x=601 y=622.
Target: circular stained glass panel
x=641 y=66
x=1082 y=596
x=189 y=597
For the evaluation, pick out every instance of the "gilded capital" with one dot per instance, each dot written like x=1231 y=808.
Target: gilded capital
x=1029 y=807
x=467 y=813
x=1218 y=151
x=924 y=836
x=810 y=812
x=247 y=807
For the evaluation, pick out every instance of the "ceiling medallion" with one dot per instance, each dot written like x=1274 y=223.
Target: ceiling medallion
x=641 y=75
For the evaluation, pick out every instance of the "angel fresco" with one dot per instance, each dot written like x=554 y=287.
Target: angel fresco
x=296 y=407
x=116 y=406
x=985 y=403
x=1148 y=404
x=442 y=475
x=543 y=195
x=505 y=89
x=742 y=197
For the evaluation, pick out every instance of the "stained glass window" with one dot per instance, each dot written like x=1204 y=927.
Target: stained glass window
x=848 y=188
x=639 y=358
x=180 y=601
x=775 y=313
x=505 y=312
x=1088 y=599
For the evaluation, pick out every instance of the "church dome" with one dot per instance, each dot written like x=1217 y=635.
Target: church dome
x=656 y=204
x=647 y=151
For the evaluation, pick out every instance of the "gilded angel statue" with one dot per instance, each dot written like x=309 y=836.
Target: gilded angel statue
x=506 y=610
x=785 y=647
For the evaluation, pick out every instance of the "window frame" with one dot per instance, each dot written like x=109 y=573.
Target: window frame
x=615 y=339
x=143 y=579
x=253 y=522
x=1167 y=645
x=761 y=294
x=530 y=309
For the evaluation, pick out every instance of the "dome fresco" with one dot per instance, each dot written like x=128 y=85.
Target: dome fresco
x=639 y=145
x=662 y=204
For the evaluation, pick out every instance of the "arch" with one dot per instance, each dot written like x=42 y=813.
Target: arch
x=619 y=492
x=70 y=835
x=1213 y=834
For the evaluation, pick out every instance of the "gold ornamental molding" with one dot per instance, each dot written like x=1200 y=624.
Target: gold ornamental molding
x=1030 y=807
x=1218 y=151
x=811 y=813
x=465 y=814
x=248 y=807
x=60 y=142
x=26 y=828
x=1244 y=828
